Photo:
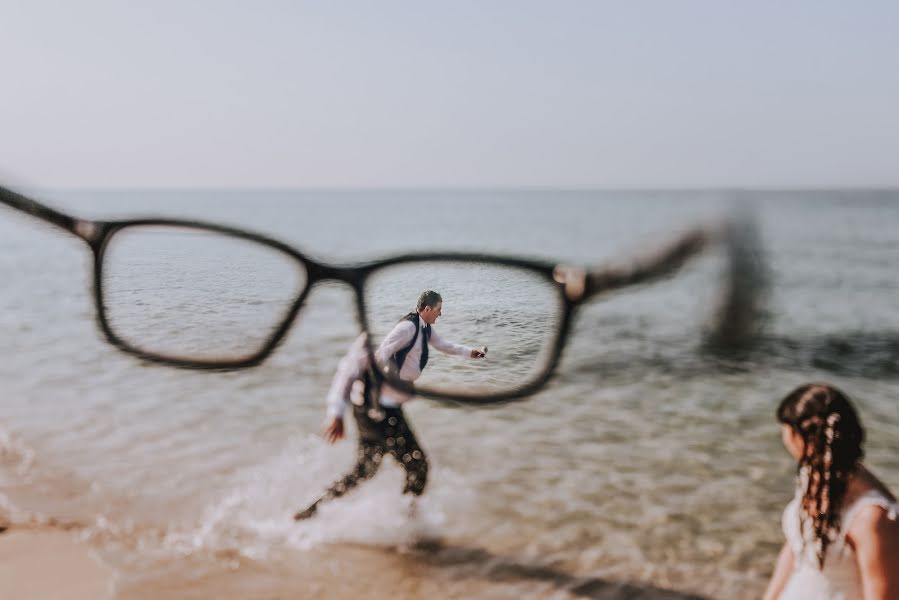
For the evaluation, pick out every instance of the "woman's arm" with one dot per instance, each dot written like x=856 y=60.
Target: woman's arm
x=781 y=574
x=875 y=538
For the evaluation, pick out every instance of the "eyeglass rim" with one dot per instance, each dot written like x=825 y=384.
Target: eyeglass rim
x=317 y=272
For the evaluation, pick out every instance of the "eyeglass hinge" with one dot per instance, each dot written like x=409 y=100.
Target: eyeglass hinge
x=573 y=278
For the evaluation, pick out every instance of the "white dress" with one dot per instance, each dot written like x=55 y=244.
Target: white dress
x=840 y=578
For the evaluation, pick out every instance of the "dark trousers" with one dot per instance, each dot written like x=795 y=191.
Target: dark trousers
x=377 y=437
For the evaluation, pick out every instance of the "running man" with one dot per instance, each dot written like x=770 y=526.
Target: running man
x=383 y=428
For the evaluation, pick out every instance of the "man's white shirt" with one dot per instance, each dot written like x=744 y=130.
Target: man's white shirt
x=353 y=365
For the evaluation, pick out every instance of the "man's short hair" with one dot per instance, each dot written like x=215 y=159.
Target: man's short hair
x=429 y=298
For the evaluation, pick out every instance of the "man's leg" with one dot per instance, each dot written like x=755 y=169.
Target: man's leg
x=403 y=446
x=369 y=454
x=368 y=459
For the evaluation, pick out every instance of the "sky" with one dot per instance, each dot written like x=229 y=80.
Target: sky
x=461 y=94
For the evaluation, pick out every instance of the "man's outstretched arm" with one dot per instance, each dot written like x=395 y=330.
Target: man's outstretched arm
x=456 y=349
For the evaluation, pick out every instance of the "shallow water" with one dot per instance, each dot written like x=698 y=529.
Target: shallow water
x=647 y=462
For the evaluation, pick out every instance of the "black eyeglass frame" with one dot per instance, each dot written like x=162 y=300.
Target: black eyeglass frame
x=573 y=285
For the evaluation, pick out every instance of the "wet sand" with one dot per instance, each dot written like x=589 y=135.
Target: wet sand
x=428 y=570
x=43 y=563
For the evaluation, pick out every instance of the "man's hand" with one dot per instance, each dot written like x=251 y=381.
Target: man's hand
x=479 y=352
x=332 y=430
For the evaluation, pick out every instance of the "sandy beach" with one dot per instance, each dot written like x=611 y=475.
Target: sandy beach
x=45 y=563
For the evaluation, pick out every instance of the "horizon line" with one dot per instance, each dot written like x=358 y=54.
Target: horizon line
x=488 y=188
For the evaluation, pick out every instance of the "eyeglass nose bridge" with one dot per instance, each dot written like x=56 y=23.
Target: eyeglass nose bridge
x=317 y=272
x=352 y=276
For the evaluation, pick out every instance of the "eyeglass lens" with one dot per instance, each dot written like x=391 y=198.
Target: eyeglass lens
x=516 y=313
x=193 y=294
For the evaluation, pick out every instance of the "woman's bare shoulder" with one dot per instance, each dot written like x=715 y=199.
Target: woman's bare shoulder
x=870 y=519
x=866 y=482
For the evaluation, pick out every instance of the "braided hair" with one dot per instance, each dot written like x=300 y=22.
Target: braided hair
x=832 y=436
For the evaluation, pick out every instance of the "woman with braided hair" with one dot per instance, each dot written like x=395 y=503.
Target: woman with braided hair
x=841 y=529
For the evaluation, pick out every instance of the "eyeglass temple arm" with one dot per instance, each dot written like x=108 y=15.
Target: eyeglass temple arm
x=86 y=230
x=660 y=262
x=746 y=278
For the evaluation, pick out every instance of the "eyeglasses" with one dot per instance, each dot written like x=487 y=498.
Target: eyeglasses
x=205 y=296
